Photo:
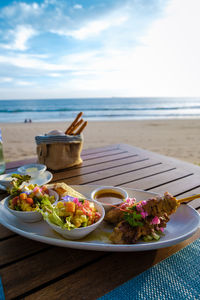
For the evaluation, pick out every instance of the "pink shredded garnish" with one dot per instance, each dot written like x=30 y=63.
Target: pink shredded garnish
x=161 y=229
x=144 y=202
x=155 y=221
x=139 y=207
x=76 y=201
x=144 y=214
x=131 y=201
x=36 y=189
x=123 y=205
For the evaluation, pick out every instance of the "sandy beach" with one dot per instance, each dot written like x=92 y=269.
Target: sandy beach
x=175 y=138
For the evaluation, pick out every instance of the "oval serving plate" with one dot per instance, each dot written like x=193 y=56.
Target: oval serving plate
x=181 y=226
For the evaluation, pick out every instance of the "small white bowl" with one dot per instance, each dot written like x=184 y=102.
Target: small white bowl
x=5 y=180
x=109 y=201
x=79 y=233
x=34 y=170
x=28 y=216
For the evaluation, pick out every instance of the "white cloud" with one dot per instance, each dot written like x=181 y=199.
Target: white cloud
x=93 y=28
x=5 y=79
x=54 y=74
x=20 y=10
x=23 y=34
x=24 y=83
x=77 y=6
x=20 y=37
x=29 y=7
x=27 y=62
x=168 y=62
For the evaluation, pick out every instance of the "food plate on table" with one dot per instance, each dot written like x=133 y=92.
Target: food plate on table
x=181 y=226
x=40 y=180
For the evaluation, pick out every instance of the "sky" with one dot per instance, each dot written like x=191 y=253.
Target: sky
x=99 y=48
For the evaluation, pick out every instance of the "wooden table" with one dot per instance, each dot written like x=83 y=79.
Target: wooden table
x=34 y=270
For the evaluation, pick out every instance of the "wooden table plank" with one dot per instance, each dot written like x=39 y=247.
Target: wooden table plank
x=5 y=233
x=84 y=170
x=142 y=179
x=178 y=186
x=157 y=179
x=40 y=269
x=119 y=174
x=191 y=192
x=162 y=158
x=18 y=247
x=114 y=152
x=100 y=149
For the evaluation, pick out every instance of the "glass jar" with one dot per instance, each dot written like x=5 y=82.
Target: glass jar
x=2 y=162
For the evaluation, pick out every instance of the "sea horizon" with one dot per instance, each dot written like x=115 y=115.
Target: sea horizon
x=99 y=108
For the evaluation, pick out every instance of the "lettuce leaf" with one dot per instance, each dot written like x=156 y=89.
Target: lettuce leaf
x=68 y=224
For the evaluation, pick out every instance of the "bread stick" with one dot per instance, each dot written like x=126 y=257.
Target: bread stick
x=76 y=126
x=73 y=123
x=81 y=128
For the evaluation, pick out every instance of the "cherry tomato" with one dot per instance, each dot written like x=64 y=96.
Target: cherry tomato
x=14 y=200
x=29 y=201
x=23 y=196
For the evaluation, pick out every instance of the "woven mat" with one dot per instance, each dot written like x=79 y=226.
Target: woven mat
x=175 y=278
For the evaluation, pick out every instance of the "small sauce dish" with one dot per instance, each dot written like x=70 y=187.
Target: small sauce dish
x=34 y=170
x=109 y=196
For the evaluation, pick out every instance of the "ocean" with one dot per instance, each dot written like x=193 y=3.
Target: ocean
x=99 y=109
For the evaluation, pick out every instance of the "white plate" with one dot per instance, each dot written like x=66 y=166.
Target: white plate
x=182 y=225
x=40 y=180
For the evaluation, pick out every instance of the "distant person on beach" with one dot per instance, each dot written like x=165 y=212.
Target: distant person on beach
x=27 y=121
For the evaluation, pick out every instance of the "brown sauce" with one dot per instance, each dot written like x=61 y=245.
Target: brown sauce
x=108 y=197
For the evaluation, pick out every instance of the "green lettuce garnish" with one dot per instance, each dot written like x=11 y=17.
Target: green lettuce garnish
x=68 y=223
x=55 y=219
x=51 y=213
x=133 y=218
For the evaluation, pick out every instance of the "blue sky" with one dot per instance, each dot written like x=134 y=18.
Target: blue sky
x=93 y=48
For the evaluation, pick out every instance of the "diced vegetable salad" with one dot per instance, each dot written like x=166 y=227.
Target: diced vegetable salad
x=72 y=214
x=30 y=198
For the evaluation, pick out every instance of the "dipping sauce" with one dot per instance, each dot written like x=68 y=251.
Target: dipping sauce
x=108 y=196
x=31 y=170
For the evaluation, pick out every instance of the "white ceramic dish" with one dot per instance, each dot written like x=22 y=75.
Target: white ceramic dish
x=107 y=201
x=181 y=226
x=28 y=216
x=5 y=180
x=40 y=180
x=34 y=170
x=78 y=233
